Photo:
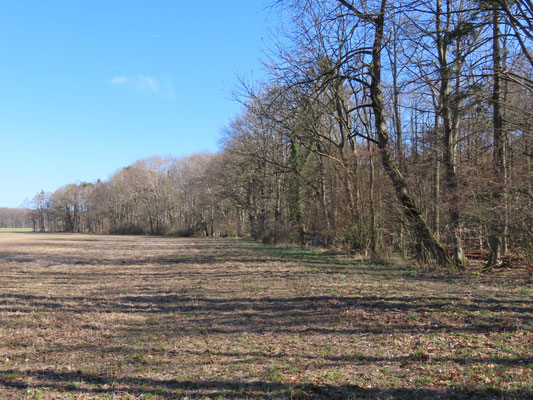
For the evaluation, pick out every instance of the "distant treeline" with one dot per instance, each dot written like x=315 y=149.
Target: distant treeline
x=155 y=196
x=382 y=128
x=14 y=218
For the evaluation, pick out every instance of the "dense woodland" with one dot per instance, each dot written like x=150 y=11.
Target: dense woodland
x=383 y=128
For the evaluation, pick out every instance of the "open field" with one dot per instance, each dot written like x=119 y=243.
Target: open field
x=117 y=317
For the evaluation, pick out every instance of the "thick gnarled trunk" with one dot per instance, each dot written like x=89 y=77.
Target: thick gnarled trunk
x=425 y=238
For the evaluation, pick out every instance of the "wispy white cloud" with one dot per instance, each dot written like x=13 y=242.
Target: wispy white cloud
x=119 y=80
x=151 y=83
x=145 y=84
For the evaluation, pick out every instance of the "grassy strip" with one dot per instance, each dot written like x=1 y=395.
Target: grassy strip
x=15 y=230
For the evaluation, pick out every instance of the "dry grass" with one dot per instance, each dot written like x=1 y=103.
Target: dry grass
x=116 y=317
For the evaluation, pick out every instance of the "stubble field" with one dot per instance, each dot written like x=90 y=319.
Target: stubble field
x=118 y=317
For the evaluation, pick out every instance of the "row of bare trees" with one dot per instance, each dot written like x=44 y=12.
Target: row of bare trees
x=13 y=218
x=383 y=127
x=153 y=196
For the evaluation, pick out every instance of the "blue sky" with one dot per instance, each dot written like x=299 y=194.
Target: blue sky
x=88 y=87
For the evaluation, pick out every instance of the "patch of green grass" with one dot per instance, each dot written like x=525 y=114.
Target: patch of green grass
x=273 y=374
x=414 y=317
x=15 y=230
x=325 y=351
x=332 y=377
x=420 y=354
x=349 y=357
x=424 y=380
x=380 y=352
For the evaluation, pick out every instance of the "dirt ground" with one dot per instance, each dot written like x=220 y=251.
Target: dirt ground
x=123 y=317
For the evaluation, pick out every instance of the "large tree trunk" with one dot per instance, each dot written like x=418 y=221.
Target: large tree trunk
x=373 y=230
x=498 y=160
x=450 y=127
x=436 y=188
x=422 y=231
x=324 y=197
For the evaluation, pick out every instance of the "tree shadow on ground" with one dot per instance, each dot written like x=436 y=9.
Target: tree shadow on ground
x=134 y=299
x=309 y=314
x=81 y=383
